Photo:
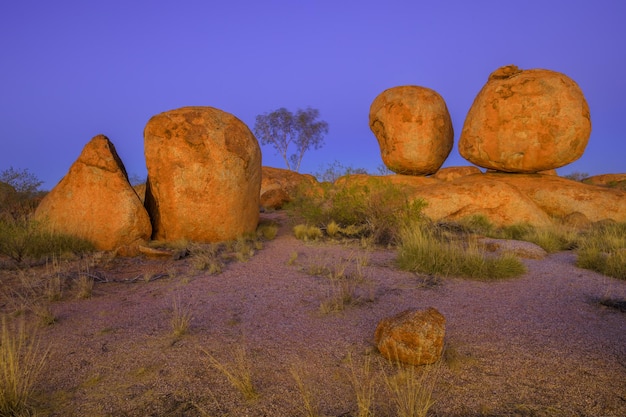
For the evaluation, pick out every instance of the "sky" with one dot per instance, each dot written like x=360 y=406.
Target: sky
x=71 y=70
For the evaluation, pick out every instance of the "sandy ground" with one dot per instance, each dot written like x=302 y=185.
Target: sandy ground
x=537 y=345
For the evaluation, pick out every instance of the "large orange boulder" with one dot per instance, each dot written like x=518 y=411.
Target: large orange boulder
x=413 y=128
x=503 y=204
x=96 y=202
x=414 y=337
x=562 y=197
x=280 y=186
x=526 y=121
x=204 y=175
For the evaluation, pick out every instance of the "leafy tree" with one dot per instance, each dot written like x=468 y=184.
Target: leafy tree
x=22 y=181
x=335 y=170
x=576 y=176
x=20 y=199
x=282 y=129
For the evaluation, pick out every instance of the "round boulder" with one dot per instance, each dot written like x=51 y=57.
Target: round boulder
x=526 y=121
x=413 y=129
x=204 y=175
x=414 y=337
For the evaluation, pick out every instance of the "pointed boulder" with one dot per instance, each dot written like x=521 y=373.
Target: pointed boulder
x=96 y=202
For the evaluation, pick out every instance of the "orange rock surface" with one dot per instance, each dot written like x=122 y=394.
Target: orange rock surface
x=415 y=337
x=413 y=129
x=204 y=175
x=526 y=121
x=95 y=201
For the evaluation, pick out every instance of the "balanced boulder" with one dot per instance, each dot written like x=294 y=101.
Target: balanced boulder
x=414 y=337
x=413 y=129
x=204 y=175
x=96 y=202
x=526 y=121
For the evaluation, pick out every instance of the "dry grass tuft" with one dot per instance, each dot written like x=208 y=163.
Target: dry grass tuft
x=309 y=405
x=21 y=362
x=237 y=371
x=181 y=318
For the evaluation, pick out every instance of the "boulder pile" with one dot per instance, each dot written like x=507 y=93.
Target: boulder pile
x=521 y=127
x=204 y=178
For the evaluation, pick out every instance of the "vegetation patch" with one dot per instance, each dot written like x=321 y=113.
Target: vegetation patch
x=375 y=209
x=603 y=249
x=423 y=250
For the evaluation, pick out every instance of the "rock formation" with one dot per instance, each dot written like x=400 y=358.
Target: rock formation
x=502 y=203
x=279 y=186
x=414 y=336
x=560 y=197
x=526 y=121
x=96 y=202
x=413 y=129
x=204 y=175
x=451 y=173
x=608 y=180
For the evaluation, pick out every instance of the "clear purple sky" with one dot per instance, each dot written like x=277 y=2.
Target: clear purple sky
x=73 y=69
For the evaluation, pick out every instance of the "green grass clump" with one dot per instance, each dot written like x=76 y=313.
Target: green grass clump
x=420 y=250
x=375 y=209
x=306 y=232
x=267 y=230
x=603 y=249
x=21 y=362
x=23 y=240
